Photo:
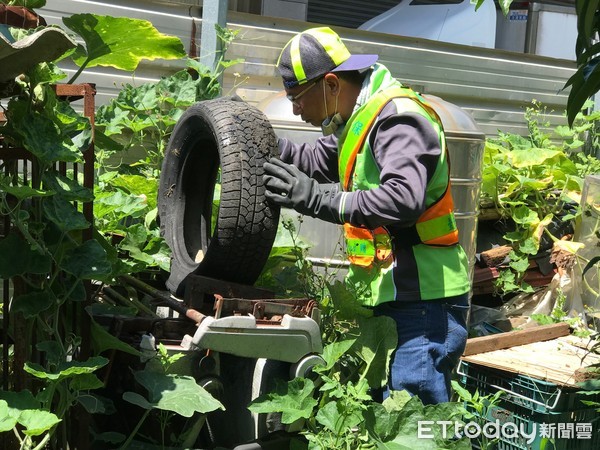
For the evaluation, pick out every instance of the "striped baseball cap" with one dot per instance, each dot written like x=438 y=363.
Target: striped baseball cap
x=315 y=52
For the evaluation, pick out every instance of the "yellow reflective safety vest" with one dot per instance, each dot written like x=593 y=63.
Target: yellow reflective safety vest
x=436 y=226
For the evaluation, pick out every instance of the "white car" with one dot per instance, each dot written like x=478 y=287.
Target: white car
x=454 y=21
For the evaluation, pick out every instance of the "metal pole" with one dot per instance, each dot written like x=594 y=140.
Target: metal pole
x=213 y=12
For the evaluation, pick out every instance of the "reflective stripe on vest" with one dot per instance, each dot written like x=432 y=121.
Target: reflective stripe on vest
x=436 y=226
x=365 y=247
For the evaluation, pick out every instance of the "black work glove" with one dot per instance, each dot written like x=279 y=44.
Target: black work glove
x=288 y=187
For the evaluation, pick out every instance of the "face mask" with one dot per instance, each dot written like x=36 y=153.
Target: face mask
x=331 y=124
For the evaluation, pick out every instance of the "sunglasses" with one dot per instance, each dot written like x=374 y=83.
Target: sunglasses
x=294 y=98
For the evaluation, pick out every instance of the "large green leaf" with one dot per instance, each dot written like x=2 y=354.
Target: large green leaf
x=32 y=303
x=102 y=340
x=333 y=352
x=119 y=202
x=67 y=188
x=22 y=258
x=21 y=407
x=525 y=216
x=138 y=185
x=64 y=214
x=19 y=401
x=37 y=421
x=170 y=392
x=7 y=422
x=85 y=382
x=121 y=42
x=67 y=369
x=96 y=404
x=89 y=261
x=584 y=84
x=533 y=156
x=398 y=428
x=334 y=417
x=345 y=302
x=21 y=192
x=136 y=399
x=39 y=134
x=377 y=340
x=293 y=399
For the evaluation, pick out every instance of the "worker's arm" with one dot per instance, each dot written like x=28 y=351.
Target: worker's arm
x=406 y=149
x=318 y=160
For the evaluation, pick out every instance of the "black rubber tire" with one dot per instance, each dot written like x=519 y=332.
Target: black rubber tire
x=238 y=138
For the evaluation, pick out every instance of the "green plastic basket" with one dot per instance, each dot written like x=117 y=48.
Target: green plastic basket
x=570 y=430
x=522 y=390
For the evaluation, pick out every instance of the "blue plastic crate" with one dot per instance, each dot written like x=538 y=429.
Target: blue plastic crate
x=522 y=390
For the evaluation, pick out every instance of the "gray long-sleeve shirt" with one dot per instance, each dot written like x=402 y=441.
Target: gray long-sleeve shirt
x=406 y=150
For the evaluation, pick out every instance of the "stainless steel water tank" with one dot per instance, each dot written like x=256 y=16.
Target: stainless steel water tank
x=465 y=147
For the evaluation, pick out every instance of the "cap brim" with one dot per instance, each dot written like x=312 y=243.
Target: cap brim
x=357 y=62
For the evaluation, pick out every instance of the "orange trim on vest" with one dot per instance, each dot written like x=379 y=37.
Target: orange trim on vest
x=365 y=247
x=444 y=207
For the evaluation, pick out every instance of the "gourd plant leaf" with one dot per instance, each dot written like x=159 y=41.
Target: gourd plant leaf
x=138 y=185
x=22 y=192
x=120 y=42
x=7 y=422
x=96 y=404
x=37 y=421
x=383 y=419
x=89 y=261
x=23 y=259
x=404 y=433
x=67 y=369
x=64 y=214
x=293 y=399
x=19 y=401
x=22 y=408
x=337 y=419
x=86 y=382
x=66 y=188
x=39 y=134
x=136 y=399
x=32 y=303
x=375 y=344
x=170 y=392
x=102 y=340
x=345 y=302
x=332 y=354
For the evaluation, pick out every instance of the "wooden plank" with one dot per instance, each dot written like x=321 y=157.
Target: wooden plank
x=512 y=338
x=560 y=361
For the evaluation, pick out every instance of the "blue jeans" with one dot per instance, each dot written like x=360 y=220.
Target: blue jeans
x=432 y=335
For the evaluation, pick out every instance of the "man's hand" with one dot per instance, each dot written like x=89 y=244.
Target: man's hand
x=289 y=187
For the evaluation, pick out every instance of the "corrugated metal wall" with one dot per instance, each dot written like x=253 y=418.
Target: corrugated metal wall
x=495 y=86
x=347 y=13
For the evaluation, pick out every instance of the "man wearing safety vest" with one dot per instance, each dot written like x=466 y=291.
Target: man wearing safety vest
x=381 y=170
